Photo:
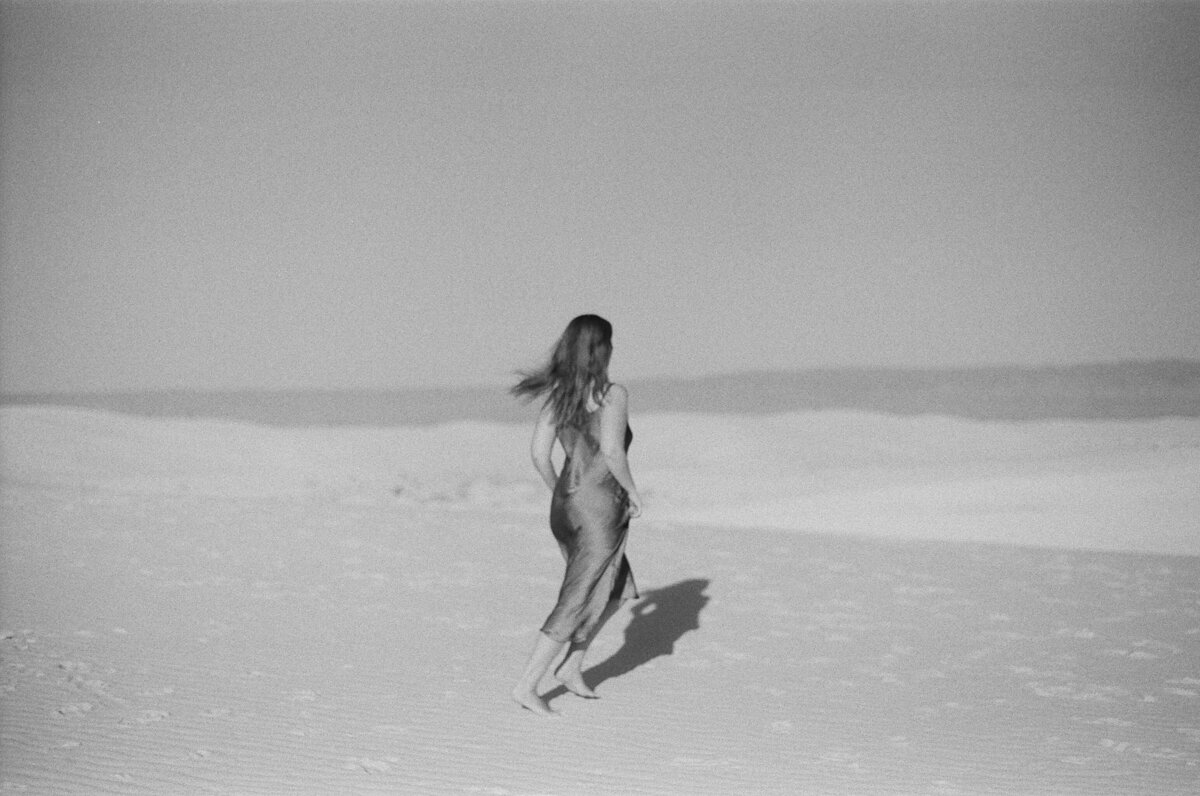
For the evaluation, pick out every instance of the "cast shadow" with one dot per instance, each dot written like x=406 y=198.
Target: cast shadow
x=660 y=618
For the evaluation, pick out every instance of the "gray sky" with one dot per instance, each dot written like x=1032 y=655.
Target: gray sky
x=246 y=195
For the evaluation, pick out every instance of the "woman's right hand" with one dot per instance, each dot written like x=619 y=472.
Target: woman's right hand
x=635 y=506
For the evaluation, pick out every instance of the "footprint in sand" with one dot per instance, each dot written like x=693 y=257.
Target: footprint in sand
x=79 y=680
x=147 y=717
x=1076 y=632
x=74 y=667
x=371 y=766
x=76 y=708
x=1114 y=746
x=397 y=728
x=1086 y=692
x=1078 y=760
x=1191 y=733
x=848 y=760
x=22 y=639
x=1109 y=721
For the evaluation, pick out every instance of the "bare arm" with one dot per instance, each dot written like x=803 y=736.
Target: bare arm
x=614 y=418
x=542 y=446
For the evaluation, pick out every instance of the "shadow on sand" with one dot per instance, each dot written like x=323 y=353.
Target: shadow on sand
x=660 y=618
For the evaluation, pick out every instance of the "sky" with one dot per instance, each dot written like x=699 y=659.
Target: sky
x=380 y=195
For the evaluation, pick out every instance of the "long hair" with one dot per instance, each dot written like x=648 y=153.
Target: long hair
x=576 y=370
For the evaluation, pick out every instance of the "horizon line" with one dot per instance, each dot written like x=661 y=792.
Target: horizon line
x=1099 y=364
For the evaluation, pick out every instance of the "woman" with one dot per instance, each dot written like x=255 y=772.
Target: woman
x=594 y=499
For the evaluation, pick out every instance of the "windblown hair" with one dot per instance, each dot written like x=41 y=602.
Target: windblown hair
x=576 y=371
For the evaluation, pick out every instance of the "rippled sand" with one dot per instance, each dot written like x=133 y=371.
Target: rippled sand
x=180 y=618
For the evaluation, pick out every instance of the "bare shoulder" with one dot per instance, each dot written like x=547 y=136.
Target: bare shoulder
x=616 y=395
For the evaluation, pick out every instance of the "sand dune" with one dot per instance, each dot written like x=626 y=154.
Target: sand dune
x=830 y=605
x=1124 y=485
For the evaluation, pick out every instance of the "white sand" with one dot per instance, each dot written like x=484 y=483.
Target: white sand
x=197 y=606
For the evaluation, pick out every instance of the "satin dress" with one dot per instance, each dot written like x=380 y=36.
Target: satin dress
x=589 y=516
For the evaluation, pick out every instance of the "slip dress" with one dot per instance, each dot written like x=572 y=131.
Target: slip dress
x=589 y=517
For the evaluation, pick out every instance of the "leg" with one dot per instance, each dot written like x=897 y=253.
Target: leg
x=525 y=692
x=570 y=671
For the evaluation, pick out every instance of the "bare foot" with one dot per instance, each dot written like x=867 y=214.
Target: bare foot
x=573 y=682
x=531 y=701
